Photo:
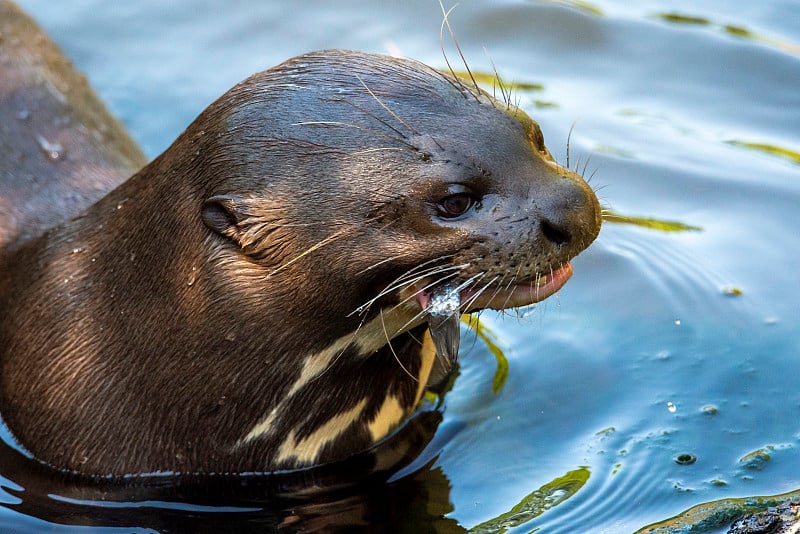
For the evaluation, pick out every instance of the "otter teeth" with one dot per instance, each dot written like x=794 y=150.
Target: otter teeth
x=443 y=321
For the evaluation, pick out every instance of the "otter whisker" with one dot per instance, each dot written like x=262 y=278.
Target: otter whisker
x=378 y=149
x=458 y=288
x=412 y=336
x=417 y=270
x=329 y=123
x=422 y=313
x=577 y=164
x=331 y=238
x=400 y=138
x=516 y=275
x=412 y=282
x=391 y=348
x=261 y=223
x=506 y=95
x=478 y=293
x=379 y=263
x=455 y=81
x=446 y=22
x=429 y=271
x=340 y=353
x=539 y=278
x=414 y=319
x=384 y=106
x=514 y=279
x=569 y=139
x=401 y=282
x=557 y=295
x=410 y=277
x=408 y=280
x=508 y=285
x=497 y=290
x=466 y=283
x=586 y=164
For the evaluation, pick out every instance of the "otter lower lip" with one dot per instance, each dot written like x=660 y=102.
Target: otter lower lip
x=514 y=296
x=519 y=294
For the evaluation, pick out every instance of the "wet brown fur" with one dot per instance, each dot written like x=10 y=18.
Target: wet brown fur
x=60 y=149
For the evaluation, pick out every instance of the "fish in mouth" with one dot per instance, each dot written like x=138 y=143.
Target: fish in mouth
x=443 y=304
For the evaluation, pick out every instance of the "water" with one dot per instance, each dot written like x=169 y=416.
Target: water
x=647 y=354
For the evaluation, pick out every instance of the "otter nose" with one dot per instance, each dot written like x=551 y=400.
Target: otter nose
x=556 y=233
x=570 y=216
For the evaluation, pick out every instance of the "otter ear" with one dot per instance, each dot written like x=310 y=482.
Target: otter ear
x=223 y=214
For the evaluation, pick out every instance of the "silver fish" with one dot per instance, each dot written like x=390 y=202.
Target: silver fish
x=444 y=317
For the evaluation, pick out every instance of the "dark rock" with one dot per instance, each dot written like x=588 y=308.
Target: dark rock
x=782 y=519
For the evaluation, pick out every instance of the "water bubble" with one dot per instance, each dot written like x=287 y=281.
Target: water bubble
x=671 y=408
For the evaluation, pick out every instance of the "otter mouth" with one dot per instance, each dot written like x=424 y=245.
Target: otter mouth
x=443 y=303
x=497 y=298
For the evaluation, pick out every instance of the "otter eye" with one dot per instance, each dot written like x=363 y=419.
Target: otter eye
x=455 y=205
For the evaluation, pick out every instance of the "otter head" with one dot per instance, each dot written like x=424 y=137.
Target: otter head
x=379 y=179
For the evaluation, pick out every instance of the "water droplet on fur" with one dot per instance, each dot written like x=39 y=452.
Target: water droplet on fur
x=54 y=151
x=192 y=277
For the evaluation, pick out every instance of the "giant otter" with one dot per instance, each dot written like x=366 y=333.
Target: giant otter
x=254 y=298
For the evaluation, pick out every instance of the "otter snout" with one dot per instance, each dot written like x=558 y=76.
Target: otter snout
x=569 y=214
